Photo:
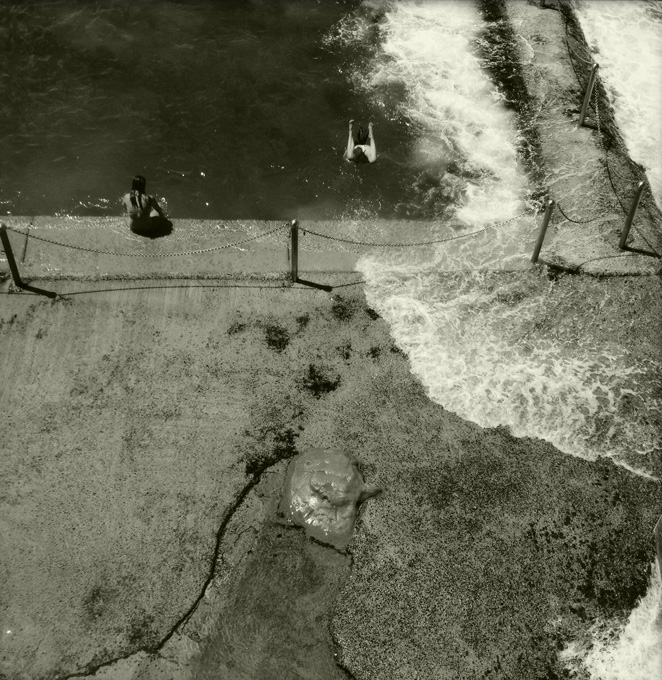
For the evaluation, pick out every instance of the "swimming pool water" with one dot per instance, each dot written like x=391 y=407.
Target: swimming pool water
x=231 y=110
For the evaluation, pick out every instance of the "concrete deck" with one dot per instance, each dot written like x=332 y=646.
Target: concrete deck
x=102 y=248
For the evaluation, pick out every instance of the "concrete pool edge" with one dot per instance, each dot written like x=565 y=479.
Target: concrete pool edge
x=266 y=257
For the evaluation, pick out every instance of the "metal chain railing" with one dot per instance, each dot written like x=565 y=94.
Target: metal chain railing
x=610 y=171
x=156 y=255
x=595 y=102
x=571 y=51
x=590 y=62
x=412 y=243
x=601 y=140
x=592 y=219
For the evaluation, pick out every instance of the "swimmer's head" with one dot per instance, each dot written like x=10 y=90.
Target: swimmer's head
x=357 y=152
x=139 y=183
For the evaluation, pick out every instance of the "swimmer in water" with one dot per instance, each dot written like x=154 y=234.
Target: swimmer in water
x=144 y=215
x=364 y=151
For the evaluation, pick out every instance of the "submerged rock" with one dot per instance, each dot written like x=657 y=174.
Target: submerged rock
x=323 y=492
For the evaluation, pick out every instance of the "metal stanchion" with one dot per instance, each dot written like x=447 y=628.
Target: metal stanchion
x=657 y=532
x=10 y=256
x=13 y=268
x=543 y=229
x=587 y=96
x=631 y=214
x=294 y=262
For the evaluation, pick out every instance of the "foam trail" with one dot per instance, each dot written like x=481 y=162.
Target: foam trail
x=468 y=341
x=626 y=37
x=428 y=48
x=630 y=650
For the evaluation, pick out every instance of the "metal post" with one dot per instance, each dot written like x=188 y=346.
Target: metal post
x=587 y=96
x=14 y=269
x=25 y=245
x=294 y=263
x=10 y=256
x=630 y=217
x=657 y=532
x=543 y=229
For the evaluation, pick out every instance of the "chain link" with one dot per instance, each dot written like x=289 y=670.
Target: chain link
x=411 y=243
x=593 y=219
x=604 y=147
x=570 y=52
x=598 y=121
x=268 y=233
x=609 y=169
x=585 y=61
x=155 y=255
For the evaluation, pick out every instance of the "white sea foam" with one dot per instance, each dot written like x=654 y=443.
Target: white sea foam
x=623 y=650
x=626 y=37
x=428 y=47
x=469 y=341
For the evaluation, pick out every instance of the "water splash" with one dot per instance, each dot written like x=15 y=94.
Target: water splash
x=626 y=38
x=473 y=341
x=425 y=70
x=629 y=649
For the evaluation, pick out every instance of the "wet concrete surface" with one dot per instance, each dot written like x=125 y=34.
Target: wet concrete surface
x=265 y=614
x=273 y=621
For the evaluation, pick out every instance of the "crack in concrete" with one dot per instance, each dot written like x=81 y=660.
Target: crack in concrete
x=92 y=669
x=156 y=650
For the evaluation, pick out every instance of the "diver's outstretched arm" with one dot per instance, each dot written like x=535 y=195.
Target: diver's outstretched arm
x=349 y=151
x=372 y=149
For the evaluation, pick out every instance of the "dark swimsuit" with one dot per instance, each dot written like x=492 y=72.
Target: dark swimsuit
x=363 y=137
x=139 y=209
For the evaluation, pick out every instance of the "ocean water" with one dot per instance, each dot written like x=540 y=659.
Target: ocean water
x=625 y=37
x=228 y=116
x=233 y=109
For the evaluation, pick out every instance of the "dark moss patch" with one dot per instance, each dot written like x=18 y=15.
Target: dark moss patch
x=342 y=309
x=302 y=321
x=397 y=350
x=345 y=350
x=283 y=447
x=96 y=602
x=372 y=313
x=374 y=352
x=511 y=298
x=277 y=337
x=140 y=631
x=236 y=328
x=318 y=382
x=9 y=321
